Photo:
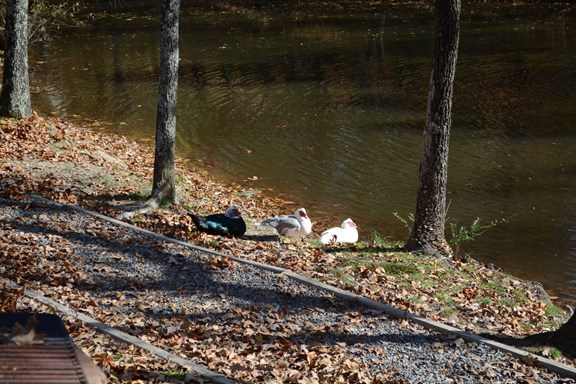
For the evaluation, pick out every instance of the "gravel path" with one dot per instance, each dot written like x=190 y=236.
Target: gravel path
x=255 y=316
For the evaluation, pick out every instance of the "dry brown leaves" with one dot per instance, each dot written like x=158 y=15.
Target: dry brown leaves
x=10 y=297
x=22 y=334
x=34 y=150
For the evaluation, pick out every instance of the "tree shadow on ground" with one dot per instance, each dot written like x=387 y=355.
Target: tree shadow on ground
x=262 y=238
x=370 y=249
x=179 y=269
x=122 y=202
x=538 y=341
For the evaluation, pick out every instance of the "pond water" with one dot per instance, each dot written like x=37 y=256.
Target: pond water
x=329 y=111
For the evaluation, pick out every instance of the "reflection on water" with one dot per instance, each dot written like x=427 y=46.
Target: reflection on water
x=330 y=112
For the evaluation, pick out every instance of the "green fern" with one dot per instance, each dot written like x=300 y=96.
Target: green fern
x=462 y=234
x=378 y=239
x=404 y=221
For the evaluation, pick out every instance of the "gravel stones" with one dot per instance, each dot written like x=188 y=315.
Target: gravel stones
x=237 y=319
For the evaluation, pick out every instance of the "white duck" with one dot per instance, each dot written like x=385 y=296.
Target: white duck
x=346 y=233
x=296 y=225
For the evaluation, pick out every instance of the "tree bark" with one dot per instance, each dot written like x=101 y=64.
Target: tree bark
x=15 y=95
x=163 y=187
x=427 y=234
x=566 y=335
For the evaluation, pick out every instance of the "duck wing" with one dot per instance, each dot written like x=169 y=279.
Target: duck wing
x=219 y=224
x=339 y=235
x=330 y=236
x=236 y=226
x=283 y=224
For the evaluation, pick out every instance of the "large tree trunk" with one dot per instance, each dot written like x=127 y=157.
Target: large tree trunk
x=15 y=95
x=429 y=221
x=565 y=336
x=163 y=184
x=564 y=339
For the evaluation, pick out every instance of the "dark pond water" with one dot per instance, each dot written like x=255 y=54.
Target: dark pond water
x=330 y=112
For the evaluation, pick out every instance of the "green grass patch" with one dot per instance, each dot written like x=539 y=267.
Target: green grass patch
x=448 y=312
x=138 y=219
x=315 y=243
x=368 y=262
x=550 y=352
x=177 y=374
x=508 y=302
x=178 y=179
x=527 y=325
x=165 y=203
x=106 y=180
x=444 y=297
x=399 y=269
x=214 y=243
x=521 y=296
x=379 y=240
x=554 y=353
x=138 y=197
x=344 y=277
x=484 y=300
x=496 y=287
x=469 y=268
x=554 y=311
x=416 y=299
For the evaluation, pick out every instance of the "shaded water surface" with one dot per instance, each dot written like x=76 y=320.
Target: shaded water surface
x=330 y=111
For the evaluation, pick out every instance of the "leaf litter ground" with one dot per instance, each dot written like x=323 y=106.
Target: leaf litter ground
x=104 y=172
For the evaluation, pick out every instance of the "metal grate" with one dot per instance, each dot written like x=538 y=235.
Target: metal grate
x=50 y=358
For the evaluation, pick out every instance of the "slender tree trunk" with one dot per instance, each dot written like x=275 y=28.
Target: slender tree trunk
x=429 y=221
x=163 y=187
x=15 y=95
